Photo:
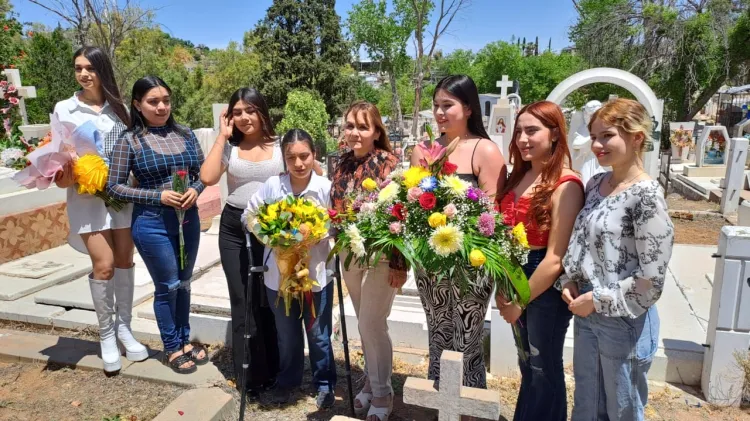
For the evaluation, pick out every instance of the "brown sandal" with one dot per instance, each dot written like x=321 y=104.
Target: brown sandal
x=177 y=364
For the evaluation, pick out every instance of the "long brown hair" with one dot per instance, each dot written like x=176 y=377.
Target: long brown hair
x=103 y=67
x=373 y=118
x=551 y=116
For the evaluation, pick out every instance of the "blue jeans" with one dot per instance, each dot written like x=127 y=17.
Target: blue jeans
x=542 y=326
x=612 y=356
x=156 y=236
x=292 y=347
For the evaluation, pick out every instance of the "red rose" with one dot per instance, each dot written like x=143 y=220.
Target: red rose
x=449 y=168
x=333 y=213
x=181 y=173
x=399 y=211
x=427 y=201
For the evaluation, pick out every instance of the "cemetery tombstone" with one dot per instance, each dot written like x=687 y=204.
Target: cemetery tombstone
x=502 y=118
x=711 y=146
x=735 y=176
x=14 y=78
x=452 y=399
x=681 y=136
x=728 y=335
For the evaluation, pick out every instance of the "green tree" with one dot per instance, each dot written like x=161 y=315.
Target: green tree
x=300 y=46
x=684 y=49
x=305 y=110
x=384 y=36
x=48 y=67
x=458 y=62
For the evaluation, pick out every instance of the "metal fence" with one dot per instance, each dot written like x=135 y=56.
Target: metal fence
x=729 y=111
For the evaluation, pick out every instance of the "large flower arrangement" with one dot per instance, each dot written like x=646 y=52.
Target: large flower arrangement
x=440 y=223
x=291 y=226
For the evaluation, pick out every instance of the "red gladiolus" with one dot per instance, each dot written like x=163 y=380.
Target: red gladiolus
x=399 y=211
x=427 y=201
x=449 y=168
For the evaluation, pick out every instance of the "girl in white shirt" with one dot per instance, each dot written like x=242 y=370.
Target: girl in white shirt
x=301 y=181
x=95 y=229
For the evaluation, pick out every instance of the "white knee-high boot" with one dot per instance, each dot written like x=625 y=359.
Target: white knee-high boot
x=103 y=294
x=124 y=287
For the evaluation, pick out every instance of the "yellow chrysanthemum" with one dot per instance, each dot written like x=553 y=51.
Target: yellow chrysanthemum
x=477 y=258
x=414 y=175
x=388 y=193
x=437 y=219
x=446 y=240
x=455 y=185
x=91 y=174
x=519 y=232
x=369 y=184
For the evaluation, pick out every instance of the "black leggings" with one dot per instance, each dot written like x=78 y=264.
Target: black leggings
x=264 y=351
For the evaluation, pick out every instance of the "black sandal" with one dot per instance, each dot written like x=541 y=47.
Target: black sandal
x=177 y=363
x=193 y=354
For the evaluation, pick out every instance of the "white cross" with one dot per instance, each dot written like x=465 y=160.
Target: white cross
x=14 y=78
x=504 y=84
x=453 y=399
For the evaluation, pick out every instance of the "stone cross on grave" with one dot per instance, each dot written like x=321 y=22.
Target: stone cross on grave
x=504 y=84
x=452 y=399
x=14 y=78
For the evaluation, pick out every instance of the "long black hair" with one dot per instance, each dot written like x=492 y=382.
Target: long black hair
x=256 y=101
x=103 y=67
x=138 y=124
x=297 y=135
x=463 y=88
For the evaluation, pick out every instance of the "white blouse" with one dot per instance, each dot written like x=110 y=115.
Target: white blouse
x=279 y=187
x=620 y=248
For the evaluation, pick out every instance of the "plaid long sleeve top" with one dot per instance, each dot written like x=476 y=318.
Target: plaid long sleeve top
x=152 y=158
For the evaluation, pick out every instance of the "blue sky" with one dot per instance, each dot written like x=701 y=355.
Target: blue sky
x=482 y=22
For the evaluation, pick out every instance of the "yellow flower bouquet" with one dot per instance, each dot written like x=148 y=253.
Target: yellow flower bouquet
x=290 y=227
x=91 y=172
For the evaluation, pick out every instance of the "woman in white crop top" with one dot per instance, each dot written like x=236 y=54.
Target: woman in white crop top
x=247 y=151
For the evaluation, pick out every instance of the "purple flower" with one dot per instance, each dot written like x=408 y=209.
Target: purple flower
x=385 y=183
x=356 y=205
x=473 y=194
x=486 y=224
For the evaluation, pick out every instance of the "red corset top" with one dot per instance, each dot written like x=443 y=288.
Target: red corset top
x=513 y=213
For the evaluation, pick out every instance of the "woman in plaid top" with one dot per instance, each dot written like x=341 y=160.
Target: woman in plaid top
x=153 y=148
x=95 y=229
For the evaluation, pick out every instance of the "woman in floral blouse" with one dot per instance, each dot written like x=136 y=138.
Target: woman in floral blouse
x=616 y=263
x=369 y=155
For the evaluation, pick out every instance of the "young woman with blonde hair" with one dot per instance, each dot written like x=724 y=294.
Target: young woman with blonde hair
x=616 y=262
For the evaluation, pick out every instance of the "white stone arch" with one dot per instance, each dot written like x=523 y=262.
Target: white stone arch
x=633 y=84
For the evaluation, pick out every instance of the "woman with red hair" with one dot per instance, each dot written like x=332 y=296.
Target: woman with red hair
x=546 y=195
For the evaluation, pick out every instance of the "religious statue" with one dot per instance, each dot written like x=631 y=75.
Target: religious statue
x=584 y=161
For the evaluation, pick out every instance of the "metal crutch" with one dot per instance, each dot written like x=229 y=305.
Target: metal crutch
x=342 y=320
x=249 y=318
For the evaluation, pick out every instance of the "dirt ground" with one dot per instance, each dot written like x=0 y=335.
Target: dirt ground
x=37 y=392
x=698 y=231
x=675 y=201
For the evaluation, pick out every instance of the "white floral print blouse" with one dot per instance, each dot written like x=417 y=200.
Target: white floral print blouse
x=620 y=248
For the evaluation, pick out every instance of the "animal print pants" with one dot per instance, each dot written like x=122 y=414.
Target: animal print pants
x=455 y=323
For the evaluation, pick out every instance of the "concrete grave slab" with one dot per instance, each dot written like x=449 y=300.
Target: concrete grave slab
x=27 y=311
x=32 y=268
x=14 y=287
x=77 y=294
x=37 y=348
x=202 y=404
x=76 y=319
x=154 y=370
